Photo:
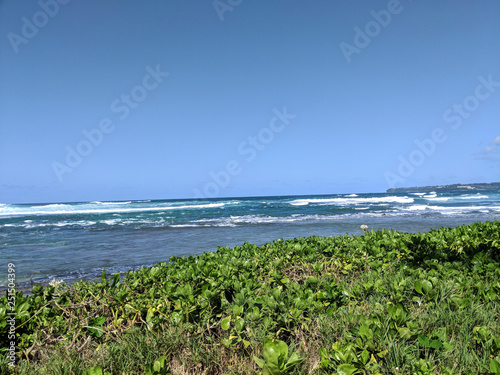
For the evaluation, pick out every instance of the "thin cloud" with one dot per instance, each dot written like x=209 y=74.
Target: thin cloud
x=492 y=147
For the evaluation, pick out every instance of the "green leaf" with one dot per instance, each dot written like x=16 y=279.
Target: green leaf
x=346 y=369
x=293 y=361
x=98 y=321
x=423 y=340
x=260 y=362
x=418 y=286
x=323 y=354
x=96 y=370
x=271 y=369
x=447 y=346
x=225 y=323
x=237 y=310
x=405 y=332
x=435 y=344
x=275 y=352
x=160 y=364
x=427 y=287
x=495 y=367
x=365 y=332
x=116 y=278
x=156 y=366
x=365 y=356
x=239 y=324
x=150 y=314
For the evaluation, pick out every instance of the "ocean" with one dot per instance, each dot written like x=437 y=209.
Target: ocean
x=72 y=241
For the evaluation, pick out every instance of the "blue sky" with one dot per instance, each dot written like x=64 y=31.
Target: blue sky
x=115 y=100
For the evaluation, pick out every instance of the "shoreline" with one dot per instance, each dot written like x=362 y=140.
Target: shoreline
x=27 y=285
x=75 y=241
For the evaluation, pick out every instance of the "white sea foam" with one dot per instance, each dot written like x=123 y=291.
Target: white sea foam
x=353 y=200
x=112 y=222
x=87 y=208
x=300 y=203
x=450 y=209
x=416 y=207
x=233 y=221
x=112 y=203
x=50 y=206
x=438 y=199
x=185 y=226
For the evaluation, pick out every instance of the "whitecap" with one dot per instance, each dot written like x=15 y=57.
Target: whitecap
x=441 y=199
x=353 y=200
x=89 y=209
x=112 y=203
x=299 y=203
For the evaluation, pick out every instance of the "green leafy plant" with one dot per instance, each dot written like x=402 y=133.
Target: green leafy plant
x=433 y=343
x=94 y=326
x=95 y=370
x=425 y=288
x=275 y=362
x=494 y=366
x=350 y=358
x=391 y=300
x=236 y=332
x=159 y=367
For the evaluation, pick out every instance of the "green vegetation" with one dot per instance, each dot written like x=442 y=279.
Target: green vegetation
x=455 y=188
x=386 y=302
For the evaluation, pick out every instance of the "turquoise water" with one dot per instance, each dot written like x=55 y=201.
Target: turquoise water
x=70 y=241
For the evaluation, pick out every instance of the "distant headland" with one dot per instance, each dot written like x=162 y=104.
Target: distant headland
x=447 y=188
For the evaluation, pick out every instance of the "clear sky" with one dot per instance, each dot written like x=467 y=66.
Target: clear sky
x=119 y=100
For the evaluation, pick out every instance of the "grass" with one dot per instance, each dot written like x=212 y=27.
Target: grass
x=386 y=302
